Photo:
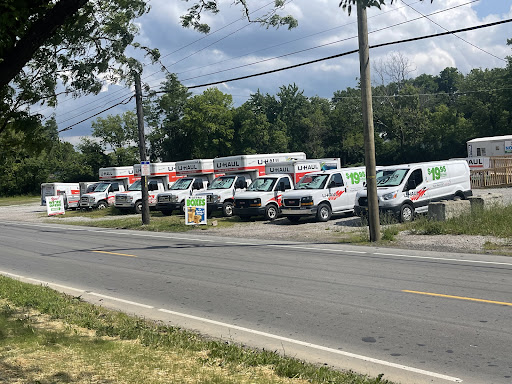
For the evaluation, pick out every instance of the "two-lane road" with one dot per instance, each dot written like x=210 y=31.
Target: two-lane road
x=416 y=316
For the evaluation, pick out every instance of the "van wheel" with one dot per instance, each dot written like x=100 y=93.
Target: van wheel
x=323 y=213
x=227 y=209
x=271 y=212
x=138 y=207
x=182 y=207
x=406 y=213
x=102 y=205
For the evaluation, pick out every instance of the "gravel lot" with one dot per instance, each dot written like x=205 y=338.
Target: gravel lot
x=306 y=230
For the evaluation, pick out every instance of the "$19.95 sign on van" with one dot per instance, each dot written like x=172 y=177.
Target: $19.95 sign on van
x=195 y=210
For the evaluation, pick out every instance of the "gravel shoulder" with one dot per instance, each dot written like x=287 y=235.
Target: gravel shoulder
x=338 y=229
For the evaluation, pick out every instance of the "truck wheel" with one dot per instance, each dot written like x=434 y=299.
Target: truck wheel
x=271 y=212
x=138 y=207
x=323 y=213
x=227 y=209
x=406 y=213
x=182 y=207
x=102 y=204
x=293 y=219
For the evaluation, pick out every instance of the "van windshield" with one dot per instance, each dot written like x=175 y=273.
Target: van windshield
x=135 y=186
x=101 y=187
x=313 y=181
x=182 y=184
x=223 y=182
x=391 y=178
x=263 y=184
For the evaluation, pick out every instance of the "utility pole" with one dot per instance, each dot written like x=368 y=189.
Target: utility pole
x=369 y=140
x=142 y=148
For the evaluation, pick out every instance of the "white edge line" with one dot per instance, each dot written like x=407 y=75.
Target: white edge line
x=443 y=259
x=316 y=346
x=121 y=300
x=11 y=275
x=55 y=285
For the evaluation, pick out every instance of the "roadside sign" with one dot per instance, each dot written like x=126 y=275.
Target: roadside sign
x=195 y=210
x=55 y=205
x=145 y=169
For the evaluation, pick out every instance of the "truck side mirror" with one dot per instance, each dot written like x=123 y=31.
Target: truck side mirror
x=240 y=184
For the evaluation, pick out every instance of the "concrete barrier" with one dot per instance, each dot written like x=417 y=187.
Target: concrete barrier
x=446 y=209
x=486 y=201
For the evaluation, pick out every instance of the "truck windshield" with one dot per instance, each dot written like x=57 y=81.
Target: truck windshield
x=182 y=184
x=101 y=187
x=91 y=188
x=135 y=186
x=313 y=181
x=263 y=184
x=391 y=178
x=223 y=182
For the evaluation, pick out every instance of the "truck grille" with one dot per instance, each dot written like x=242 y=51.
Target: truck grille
x=121 y=199
x=84 y=200
x=291 y=202
x=163 y=199
x=363 y=201
x=243 y=203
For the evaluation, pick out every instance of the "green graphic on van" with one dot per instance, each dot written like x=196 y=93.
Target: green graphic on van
x=356 y=177
x=437 y=172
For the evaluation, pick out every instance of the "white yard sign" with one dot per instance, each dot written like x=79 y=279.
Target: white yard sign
x=55 y=205
x=195 y=210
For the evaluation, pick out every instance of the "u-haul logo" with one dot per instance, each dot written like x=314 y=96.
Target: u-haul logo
x=279 y=169
x=265 y=161
x=419 y=194
x=307 y=167
x=333 y=196
x=227 y=164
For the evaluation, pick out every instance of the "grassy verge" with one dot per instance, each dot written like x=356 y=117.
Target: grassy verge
x=113 y=218
x=47 y=337
x=16 y=200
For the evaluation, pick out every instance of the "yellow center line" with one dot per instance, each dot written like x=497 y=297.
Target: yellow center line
x=458 y=297
x=115 y=253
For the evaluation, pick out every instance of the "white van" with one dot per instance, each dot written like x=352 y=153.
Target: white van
x=321 y=194
x=405 y=189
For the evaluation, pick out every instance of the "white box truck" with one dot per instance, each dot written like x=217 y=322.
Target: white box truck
x=69 y=191
x=112 y=180
x=239 y=172
x=195 y=175
x=406 y=189
x=320 y=194
x=263 y=196
x=480 y=150
x=162 y=177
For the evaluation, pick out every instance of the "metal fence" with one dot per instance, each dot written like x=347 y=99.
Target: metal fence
x=498 y=175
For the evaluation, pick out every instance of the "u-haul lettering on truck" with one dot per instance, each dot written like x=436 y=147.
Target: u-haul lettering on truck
x=333 y=196
x=307 y=167
x=265 y=161
x=226 y=164
x=280 y=170
x=190 y=167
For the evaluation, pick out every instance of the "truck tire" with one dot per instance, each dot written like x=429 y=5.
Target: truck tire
x=227 y=209
x=102 y=204
x=138 y=207
x=323 y=213
x=271 y=212
x=182 y=207
x=406 y=213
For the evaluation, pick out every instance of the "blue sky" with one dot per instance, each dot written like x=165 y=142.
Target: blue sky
x=237 y=48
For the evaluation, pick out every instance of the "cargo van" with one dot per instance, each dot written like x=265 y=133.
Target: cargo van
x=406 y=189
x=69 y=191
x=320 y=194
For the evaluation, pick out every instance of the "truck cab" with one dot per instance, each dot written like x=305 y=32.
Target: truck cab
x=320 y=194
x=263 y=196
x=112 y=180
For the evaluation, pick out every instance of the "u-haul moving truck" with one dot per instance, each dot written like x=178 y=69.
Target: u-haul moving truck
x=320 y=194
x=162 y=176
x=405 y=189
x=112 y=180
x=69 y=191
x=264 y=195
x=239 y=172
x=195 y=175
x=481 y=149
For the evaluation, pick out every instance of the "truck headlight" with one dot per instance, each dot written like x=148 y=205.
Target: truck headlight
x=129 y=199
x=173 y=199
x=306 y=200
x=390 y=196
x=255 y=203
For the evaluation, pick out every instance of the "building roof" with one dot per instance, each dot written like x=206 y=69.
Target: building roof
x=492 y=138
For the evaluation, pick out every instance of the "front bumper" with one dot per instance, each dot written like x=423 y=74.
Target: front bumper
x=249 y=211
x=167 y=206
x=363 y=210
x=299 y=211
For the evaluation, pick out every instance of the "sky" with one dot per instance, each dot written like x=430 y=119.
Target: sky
x=234 y=47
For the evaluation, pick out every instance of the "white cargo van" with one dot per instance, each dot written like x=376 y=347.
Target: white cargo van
x=239 y=172
x=69 y=191
x=320 y=194
x=162 y=176
x=195 y=175
x=112 y=180
x=405 y=189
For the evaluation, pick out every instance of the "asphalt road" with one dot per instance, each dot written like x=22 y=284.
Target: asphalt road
x=373 y=310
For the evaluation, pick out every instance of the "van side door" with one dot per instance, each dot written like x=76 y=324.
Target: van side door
x=337 y=193
x=282 y=185
x=416 y=189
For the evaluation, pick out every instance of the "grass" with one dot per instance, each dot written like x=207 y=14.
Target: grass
x=16 y=200
x=113 y=218
x=48 y=337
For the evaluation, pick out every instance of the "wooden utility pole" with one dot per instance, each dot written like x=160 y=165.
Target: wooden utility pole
x=369 y=140
x=142 y=149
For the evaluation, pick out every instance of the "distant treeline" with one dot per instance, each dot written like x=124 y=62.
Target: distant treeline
x=416 y=119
